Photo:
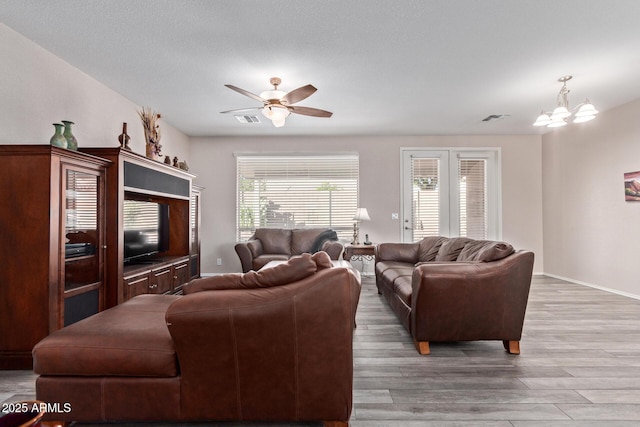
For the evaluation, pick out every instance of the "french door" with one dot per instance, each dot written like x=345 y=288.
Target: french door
x=450 y=192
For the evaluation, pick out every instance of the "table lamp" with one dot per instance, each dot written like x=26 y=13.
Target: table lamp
x=361 y=215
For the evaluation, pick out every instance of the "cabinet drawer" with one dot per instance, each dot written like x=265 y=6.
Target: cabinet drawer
x=161 y=281
x=136 y=285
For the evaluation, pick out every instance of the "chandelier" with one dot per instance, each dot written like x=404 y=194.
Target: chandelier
x=583 y=112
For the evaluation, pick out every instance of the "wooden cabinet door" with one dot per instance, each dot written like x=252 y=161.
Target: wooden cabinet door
x=161 y=281
x=136 y=285
x=181 y=275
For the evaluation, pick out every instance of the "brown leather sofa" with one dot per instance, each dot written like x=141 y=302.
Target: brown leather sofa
x=277 y=244
x=273 y=345
x=456 y=289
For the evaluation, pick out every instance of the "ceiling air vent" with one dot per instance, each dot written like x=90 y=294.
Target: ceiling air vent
x=248 y=119
x=495 y=117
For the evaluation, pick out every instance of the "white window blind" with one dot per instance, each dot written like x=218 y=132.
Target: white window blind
x=296 y=191
x=472 y=181
x=425 y=173
x=81 y=201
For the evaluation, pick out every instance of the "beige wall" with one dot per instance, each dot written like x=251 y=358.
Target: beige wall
x=591 y=235
x=37 y=89
x=214 y=164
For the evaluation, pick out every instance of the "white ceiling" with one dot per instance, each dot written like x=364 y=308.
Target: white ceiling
x=402 y=67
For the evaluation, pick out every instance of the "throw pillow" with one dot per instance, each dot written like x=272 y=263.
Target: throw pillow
x=495 y=251
x=428 y=248
x=322 y=260
x=450 y=249
x=472 y=249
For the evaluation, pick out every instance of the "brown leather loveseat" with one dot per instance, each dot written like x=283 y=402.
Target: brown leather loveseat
x=456 y=289
x=273 y=345
x=278 y=244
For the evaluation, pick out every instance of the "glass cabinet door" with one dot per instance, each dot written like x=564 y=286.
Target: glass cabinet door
x=82 y=225
x=81 y=229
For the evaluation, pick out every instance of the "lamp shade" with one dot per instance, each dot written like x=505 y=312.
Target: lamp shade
x=361 y=215
x=543 y=119
x=560 y=113
x=587 y=109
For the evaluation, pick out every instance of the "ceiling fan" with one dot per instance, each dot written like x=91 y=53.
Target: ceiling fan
x=277 y=105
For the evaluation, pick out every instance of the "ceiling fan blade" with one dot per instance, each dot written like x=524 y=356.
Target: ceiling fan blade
x=307 y=111
x=298 y=95
x=242 y=110
x=246 y=93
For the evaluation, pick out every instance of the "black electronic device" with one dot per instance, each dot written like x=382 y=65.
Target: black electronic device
x=146 y=229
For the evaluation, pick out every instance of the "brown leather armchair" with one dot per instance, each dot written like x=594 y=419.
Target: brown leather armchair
x=278 y=244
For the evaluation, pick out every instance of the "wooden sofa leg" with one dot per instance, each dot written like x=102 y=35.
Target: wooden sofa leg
x=336 y=424
x=422 y=347
x=512 y=347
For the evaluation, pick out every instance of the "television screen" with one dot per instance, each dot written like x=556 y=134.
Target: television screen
x=146 y=228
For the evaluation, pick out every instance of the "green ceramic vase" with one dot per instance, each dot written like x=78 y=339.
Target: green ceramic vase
x=58 y=139
x=72 y=143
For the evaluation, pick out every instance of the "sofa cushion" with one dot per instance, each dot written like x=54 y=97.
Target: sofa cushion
x=451 y=248
x=295 y=269
x=131 y=339
x=262 y=260
x=274 y=240
x=428 y=248
x=303 y=239
x=402 y=288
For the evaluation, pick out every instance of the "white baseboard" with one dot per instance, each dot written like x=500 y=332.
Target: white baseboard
x=591 y=285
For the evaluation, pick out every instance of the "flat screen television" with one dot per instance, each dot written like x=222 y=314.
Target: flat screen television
x=146 y=229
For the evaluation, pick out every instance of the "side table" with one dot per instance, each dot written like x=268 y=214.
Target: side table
x=360 y=253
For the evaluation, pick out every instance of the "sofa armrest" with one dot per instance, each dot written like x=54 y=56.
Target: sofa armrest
x=247 y=251
x=333 y=249
x=248 y=347
x=447 y=297
x=400 y=252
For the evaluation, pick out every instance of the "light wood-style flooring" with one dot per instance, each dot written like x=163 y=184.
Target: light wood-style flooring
x=579 y=366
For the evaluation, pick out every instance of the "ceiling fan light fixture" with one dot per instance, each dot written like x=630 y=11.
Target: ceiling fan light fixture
x=278 y=123
x=277 y=105
x=272 y=94
x=276 y=113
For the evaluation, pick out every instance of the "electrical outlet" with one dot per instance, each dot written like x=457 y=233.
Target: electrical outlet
x=394 y=215
x=219 y=261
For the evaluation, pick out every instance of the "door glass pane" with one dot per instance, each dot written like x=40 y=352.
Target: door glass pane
x=472 y=184
x=81 y=229
x=425 y=205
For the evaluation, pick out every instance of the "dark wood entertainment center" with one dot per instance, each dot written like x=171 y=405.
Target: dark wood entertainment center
x=63 y=238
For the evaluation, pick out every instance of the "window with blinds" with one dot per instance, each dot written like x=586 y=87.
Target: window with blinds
x=296 y=191
x=472 y=181
x=425 y=173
